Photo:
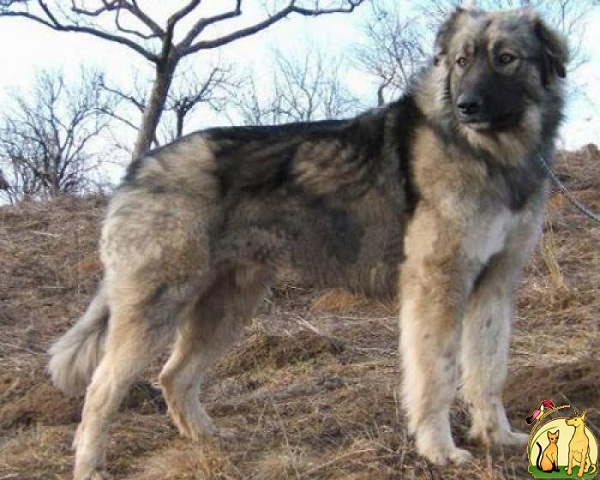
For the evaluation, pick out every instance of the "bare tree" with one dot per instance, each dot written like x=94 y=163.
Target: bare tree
x=212 y=89
x=133 y=26
x=392 y=50
x=300 y=92
x=45 y=136
x=190 y=90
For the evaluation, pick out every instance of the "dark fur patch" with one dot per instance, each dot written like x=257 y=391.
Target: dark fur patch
x=521 y=183
x=344 y=235
x=407 y=117
x=259 y=159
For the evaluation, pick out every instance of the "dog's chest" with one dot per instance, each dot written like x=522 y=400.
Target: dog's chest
x=490 y=234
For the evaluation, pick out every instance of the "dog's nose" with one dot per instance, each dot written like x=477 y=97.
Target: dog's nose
x=469 y=105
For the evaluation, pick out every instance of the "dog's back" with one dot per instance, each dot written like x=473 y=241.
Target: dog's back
x=326 y=200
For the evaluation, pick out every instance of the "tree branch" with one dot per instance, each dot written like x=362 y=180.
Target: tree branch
x=180 y=14
x=139 y=104
x=136 y=11
x=347 y=7
x=201 y=24
x=106 y=6
x=117 y=6
x=52 y=22
x=124 y=29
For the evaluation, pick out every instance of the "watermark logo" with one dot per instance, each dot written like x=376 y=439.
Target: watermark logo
x=561 y=446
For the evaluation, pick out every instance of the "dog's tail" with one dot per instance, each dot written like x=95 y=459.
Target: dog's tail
x=77 y=353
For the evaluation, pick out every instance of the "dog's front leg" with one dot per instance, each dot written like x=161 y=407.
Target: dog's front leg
x=582 y=464
x=433 y=292
x=571 y=462
x=484 y=352
x=486 y=333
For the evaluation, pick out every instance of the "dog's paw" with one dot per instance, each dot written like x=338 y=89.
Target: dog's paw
x=498 y=437
x=440 y=457
x=93 y=475
x=459 y=456
x=193 y=423
x=514 y=438
x=441 y=452
x=227 y=433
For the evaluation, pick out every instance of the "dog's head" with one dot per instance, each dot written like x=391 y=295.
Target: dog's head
x=576 y=420
x=498 y=65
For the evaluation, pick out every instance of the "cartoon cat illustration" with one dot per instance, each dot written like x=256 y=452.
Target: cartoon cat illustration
x=549 y=457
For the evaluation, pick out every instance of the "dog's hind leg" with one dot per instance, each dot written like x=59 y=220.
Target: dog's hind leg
x=140 y=325
x=204 y=333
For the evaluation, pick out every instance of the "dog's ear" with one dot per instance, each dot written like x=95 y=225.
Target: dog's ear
x=444 y=34
x=555 y=52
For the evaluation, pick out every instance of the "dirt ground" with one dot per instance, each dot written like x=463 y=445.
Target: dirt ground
x=311 y=387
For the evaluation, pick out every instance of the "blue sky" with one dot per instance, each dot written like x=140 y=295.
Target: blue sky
x=27 y=47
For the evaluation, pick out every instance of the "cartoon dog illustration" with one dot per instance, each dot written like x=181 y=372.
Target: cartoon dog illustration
x=579 y=446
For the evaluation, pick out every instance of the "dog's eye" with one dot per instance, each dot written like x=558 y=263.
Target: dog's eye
x=462 y=62
x=507 y=58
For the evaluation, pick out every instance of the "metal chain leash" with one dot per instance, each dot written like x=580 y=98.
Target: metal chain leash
x=563 y=189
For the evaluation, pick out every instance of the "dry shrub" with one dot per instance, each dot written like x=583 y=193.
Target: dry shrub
x=41 y=404
x=185 y=460
x=341 y=301
x=262 y=350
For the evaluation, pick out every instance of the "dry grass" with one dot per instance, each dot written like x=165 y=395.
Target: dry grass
x=311 y=388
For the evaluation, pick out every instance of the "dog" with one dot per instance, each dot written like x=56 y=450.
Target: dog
x=437 y=197
x=579 y=446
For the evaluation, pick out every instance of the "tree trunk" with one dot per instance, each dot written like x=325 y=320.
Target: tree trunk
x=180 y=115
x=380 y=97
x=154 y=108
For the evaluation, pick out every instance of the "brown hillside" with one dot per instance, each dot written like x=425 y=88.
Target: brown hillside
x=310 y=388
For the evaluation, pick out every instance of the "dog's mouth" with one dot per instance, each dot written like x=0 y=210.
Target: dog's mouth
x=479 y=125
x=483 y=124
